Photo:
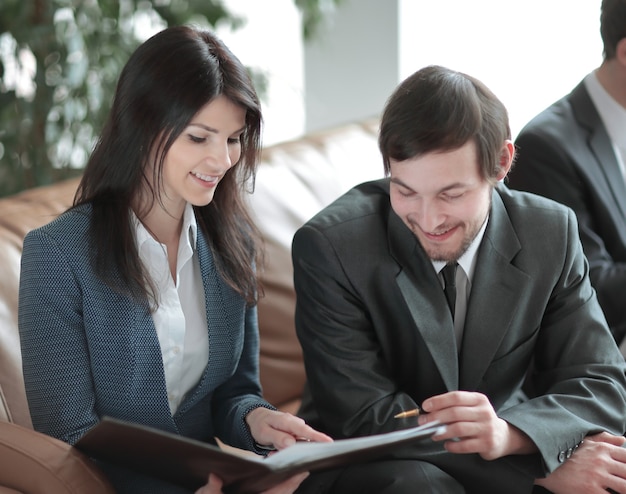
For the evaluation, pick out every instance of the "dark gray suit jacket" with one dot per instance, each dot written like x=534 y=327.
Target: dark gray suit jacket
x=378 y=337
x=565 y=154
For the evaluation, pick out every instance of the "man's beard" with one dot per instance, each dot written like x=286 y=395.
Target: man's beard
x=455 y=255
x=452 y=255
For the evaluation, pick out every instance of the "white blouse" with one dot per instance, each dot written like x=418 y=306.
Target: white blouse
x=180 y=318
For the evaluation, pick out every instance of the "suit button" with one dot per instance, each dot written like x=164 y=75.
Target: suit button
x=569 y=453
x=562 y=457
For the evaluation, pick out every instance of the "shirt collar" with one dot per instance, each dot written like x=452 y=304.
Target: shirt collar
x=141 y=234
x=190 y=228
x=190 y=225
x=611 y=112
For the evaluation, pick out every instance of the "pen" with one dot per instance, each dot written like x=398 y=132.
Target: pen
x=408 y=413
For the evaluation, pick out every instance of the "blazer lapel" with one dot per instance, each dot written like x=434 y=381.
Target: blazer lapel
x=219 y=302
x=495 y=287
x=599 y=144
x=426 y=302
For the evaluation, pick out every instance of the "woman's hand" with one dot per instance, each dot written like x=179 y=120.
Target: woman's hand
x=214 y=485
x=279 y=429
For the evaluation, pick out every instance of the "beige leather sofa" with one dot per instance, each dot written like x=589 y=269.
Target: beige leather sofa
x=295 y=180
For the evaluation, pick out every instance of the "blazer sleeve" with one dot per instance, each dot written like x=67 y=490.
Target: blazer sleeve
x=53 y=343
x=240 y=394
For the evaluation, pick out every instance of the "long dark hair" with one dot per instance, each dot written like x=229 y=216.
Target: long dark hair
x=166 y=81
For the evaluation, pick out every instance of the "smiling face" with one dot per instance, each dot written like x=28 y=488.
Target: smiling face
x=443 y=199
x=200 y=156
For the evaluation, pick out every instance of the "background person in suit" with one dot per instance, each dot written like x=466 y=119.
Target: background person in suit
x=379 y=336
x=575 y=153
x=140 y=302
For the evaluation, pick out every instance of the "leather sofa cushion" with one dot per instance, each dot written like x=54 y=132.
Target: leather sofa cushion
x=20 y=214
x=38 y=464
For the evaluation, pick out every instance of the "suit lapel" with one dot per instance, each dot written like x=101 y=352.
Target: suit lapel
x=599 y=144
x=424 y=299
x=496 y=285
x=219 y=305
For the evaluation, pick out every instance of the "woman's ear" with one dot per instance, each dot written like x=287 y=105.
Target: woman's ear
x=507 y=154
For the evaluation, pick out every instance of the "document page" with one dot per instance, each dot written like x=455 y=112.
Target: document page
x=310 y=451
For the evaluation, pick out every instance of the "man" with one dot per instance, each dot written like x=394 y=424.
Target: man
x=574 y=152
x=379 y=336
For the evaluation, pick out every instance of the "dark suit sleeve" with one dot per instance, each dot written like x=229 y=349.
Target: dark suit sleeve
x=544 y=166
x=578 y=373
x=348 y=376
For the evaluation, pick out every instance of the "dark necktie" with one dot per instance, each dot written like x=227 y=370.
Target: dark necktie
x=449 y=278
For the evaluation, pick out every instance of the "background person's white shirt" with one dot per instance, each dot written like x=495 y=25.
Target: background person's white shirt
x=180 y=319
x=613 y=116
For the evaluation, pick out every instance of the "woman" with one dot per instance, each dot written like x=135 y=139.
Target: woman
x=139 y=302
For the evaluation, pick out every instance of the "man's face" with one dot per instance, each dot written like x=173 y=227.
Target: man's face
x=442 y=198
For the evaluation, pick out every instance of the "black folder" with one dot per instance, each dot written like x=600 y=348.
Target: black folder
x=188 y=462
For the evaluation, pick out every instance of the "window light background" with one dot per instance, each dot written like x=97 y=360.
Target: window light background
x=529 y=53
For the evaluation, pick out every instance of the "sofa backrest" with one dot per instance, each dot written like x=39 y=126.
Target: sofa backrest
x=18 y=215
x=294 y=181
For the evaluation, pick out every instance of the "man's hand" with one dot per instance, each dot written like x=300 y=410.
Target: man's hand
x=597 y=465
x=280 y=430
x=472 y=426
